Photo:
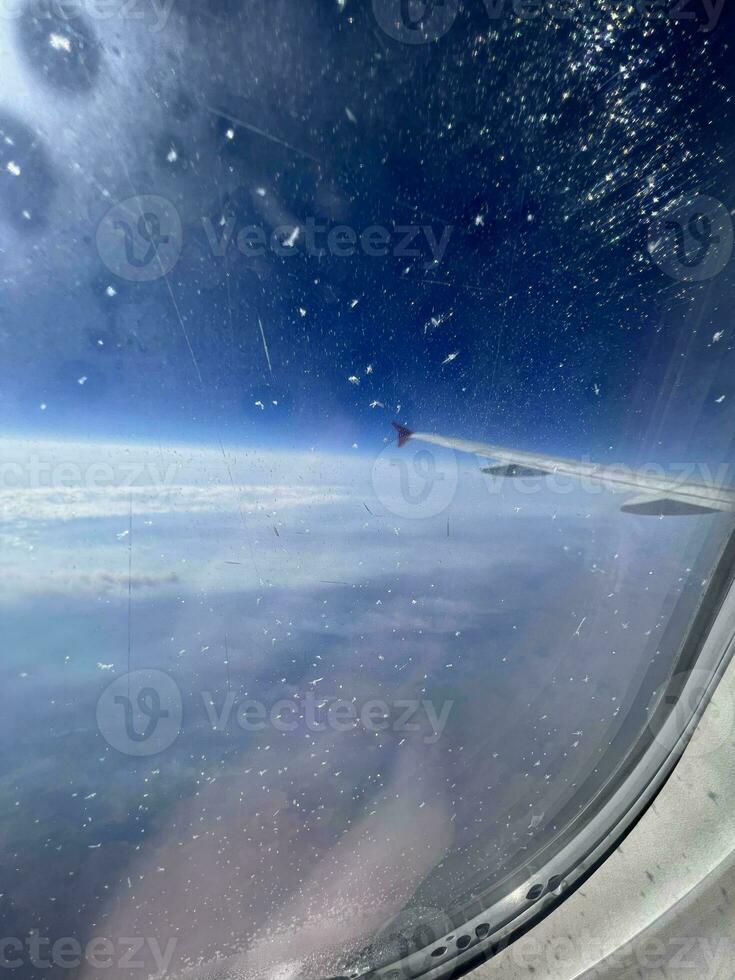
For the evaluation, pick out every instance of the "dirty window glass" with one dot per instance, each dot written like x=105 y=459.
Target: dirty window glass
x=279 y=691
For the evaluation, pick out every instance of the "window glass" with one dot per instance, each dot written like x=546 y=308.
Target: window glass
x=283 y=698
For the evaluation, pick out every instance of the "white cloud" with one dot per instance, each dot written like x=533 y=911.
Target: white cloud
x=45 y=480
x=83 y=503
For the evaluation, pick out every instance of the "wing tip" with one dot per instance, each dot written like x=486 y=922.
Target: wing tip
x=404 y=433
x=666 y=507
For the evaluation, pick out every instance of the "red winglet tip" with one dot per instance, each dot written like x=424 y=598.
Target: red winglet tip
x=404 y=433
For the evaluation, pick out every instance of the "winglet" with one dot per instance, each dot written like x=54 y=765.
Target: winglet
x=404 y=434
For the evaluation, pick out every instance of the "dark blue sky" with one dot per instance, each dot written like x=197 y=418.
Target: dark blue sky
x=541 y=149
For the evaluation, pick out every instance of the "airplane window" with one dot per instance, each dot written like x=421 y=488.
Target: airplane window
x=367 y=408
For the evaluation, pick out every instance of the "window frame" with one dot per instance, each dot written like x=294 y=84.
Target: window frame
x=626 y=793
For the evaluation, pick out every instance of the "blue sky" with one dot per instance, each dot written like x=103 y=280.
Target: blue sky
x=562 y=326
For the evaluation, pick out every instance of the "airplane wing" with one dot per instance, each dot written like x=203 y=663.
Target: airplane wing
x=658 y=496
